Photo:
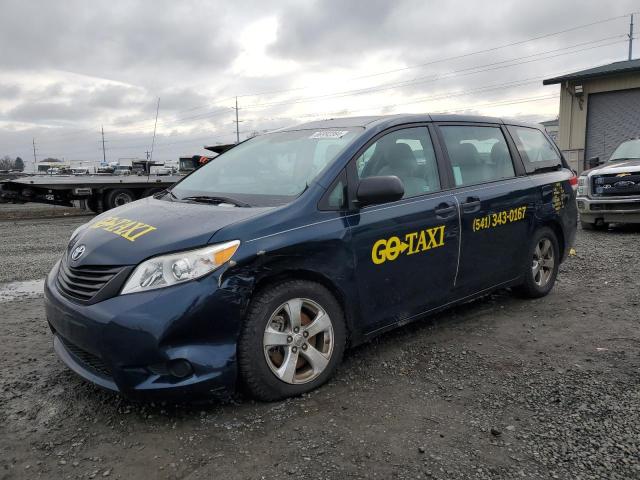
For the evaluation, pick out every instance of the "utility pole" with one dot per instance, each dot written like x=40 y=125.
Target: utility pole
x=631 y=38
x=35 y=159
x=104 y=154
x=154 y=130
x=237 y=123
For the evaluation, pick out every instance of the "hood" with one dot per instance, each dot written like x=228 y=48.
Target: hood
x=625 y=166
x=129 y=234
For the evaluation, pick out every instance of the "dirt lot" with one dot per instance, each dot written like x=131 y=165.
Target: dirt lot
x=500 y=388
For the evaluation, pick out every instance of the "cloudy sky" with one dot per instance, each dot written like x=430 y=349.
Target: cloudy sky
x=69 y=67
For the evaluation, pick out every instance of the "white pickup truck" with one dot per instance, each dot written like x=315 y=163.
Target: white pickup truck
x=610 y=192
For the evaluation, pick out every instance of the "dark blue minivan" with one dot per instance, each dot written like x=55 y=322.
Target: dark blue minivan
x=261 y=267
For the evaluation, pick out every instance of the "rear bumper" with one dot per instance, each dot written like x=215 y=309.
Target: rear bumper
x=123 y=343
x=609 y=210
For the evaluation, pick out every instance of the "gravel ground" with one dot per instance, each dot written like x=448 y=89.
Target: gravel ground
x=30 y=247
x=10 y=211
x=499 y=388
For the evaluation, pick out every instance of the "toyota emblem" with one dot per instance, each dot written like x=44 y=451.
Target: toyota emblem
x=78 y=252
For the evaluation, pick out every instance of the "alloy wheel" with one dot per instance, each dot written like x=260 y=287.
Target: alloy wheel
x=543 y=262
x=298 y=341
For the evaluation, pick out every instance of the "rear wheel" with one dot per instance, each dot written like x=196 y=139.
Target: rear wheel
x=118 y=197
x=96 y=205
x=292 y=340
x=543 y=261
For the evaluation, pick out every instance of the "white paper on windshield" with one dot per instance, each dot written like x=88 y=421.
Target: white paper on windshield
x=329 y=134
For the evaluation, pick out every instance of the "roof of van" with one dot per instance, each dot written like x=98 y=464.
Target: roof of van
x=371 y=121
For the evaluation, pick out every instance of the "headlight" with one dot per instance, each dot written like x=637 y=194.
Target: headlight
x=167 y=270
x=582 y=186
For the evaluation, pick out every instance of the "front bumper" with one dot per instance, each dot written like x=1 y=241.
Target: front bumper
x=120 y=342
x=609 y=210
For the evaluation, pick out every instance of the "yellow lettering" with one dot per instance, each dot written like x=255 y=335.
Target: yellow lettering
x=106 y=222
x=433 y=241
x=378 y=256
x=422 y=242
x=410 y=237
x=414 y=242
x=394 y=247
x=441 y=228
x=143 y=227
x=117 y=224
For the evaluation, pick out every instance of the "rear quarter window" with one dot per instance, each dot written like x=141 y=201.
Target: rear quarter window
x=536 y=150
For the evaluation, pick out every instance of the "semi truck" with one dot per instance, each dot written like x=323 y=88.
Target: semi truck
x=100 y=192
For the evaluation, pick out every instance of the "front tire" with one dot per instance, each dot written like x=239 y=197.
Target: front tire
x=292 y=340
x=543 y=261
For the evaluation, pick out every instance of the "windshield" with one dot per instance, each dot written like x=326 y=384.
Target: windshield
x=628 y=149
x=271 y=169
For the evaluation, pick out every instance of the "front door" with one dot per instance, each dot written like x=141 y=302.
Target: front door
x=406 y=251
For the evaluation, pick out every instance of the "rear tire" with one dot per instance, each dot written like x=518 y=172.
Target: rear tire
x=118 y=197
x=96 y=205
x=541 y=269
x=292 y=340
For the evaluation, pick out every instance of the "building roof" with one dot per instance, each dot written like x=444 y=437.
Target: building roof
x=615 y=68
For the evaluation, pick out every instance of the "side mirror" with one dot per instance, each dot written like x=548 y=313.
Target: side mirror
x=594 y=162
x=374 y=190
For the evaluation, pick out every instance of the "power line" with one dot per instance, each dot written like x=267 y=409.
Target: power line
x=456 y=73
x=455 y=57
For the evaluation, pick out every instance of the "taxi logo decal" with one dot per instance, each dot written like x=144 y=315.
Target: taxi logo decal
x=558 y=197
x=123 y=227
x=388 y=249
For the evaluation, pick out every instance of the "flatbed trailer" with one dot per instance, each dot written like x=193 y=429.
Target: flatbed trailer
x=94 y=192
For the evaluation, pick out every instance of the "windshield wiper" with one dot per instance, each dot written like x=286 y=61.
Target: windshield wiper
x=215 y=200
x=164 y=192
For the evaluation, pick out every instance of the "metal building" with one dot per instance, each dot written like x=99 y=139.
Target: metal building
x=599 y=108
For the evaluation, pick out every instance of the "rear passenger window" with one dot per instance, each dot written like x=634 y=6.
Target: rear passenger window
x=477 y=154
x=535 y=149
x=408 y=154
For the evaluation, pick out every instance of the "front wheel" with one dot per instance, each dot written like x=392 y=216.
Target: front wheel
x=292 y=340
x=543 y=261
x=118 y=197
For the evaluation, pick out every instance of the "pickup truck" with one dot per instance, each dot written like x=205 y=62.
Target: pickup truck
x=610 y=192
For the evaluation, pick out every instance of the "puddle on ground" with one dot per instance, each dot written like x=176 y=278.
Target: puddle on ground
x=14 y=290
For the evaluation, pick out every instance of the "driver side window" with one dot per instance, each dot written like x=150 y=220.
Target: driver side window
x=407 y=154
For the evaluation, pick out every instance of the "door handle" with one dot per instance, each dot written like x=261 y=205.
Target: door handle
x=471 y=205
x=445 y=210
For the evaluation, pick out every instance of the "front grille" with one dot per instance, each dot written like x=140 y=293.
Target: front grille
x=83 y=283
x=88 y=360
x=626 y=206
x=616 y=185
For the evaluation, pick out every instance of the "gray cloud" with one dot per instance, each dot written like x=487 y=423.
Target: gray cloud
x=9 y=91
